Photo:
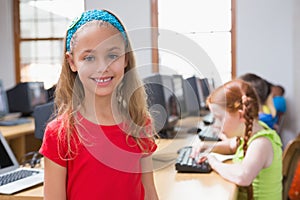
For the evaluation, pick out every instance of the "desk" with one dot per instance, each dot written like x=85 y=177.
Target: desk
x=170 y=184
x=179 y=186
x=183 y=186
x=21 y=138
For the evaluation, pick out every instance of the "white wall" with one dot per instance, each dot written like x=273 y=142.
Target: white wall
x=136 y=18
x=266 y=45
x=7 y=62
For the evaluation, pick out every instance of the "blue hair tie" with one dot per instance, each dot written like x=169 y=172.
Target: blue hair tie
x=90 y=16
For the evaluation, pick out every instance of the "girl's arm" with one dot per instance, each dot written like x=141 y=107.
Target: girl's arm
x=54 y=181
x=147 y=179
x=226 y=147
x=148 y=182
x=259 y=155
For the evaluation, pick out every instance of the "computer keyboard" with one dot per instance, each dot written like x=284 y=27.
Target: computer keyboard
x=194 y=130
x=206 y=134
x=17 y=175
x=186 y=164
x=12 y=122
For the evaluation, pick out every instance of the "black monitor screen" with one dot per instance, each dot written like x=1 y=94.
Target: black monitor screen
x=191 y=96
x=3 y=101
x=196 y=100
x=162 y=102
x=5 y=160
x=25 y=96
x=205 y=87
x=170 y=100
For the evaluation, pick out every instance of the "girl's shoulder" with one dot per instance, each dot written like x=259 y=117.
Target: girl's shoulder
x=268 y=133
x=57 y=131
x=55 y=124
x=55 y=127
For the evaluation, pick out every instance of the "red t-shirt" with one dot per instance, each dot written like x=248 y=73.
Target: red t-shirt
x=106 y=163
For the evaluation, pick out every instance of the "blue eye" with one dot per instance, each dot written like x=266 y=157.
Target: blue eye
x=113 y=56
x=89 y=58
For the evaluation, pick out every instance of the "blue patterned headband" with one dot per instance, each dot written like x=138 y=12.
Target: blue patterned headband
x=91 y=15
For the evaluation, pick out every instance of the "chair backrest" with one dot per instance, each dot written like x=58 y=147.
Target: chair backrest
x=42 y=115
x=290 y=157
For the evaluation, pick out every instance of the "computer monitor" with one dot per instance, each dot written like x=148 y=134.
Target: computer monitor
x=162 y=103
x=25 y=96
x=179 y=92
x=195 y=89
x=205 y=86
x=3 y=101
x=191 y=97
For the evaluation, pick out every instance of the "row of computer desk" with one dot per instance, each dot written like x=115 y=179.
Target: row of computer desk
x=170 y=184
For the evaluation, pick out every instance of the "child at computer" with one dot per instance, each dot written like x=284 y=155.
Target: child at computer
x=99 y=144
x=257 y=162
x=267 y=111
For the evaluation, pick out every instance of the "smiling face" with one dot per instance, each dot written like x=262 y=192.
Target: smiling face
x=98 y=57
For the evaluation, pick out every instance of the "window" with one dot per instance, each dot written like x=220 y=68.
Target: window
x=209 y=24
x=41 y=25
x=39 y=37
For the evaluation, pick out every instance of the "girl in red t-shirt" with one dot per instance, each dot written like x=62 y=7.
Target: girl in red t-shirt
x=99 y=144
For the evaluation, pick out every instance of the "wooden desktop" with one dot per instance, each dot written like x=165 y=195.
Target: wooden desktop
x=170 y=184
x=21 y=138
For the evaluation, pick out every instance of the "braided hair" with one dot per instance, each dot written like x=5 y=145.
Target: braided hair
x=234 y=96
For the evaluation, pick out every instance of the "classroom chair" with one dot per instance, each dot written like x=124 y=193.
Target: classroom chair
x=290 y=158
x=42 y=114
